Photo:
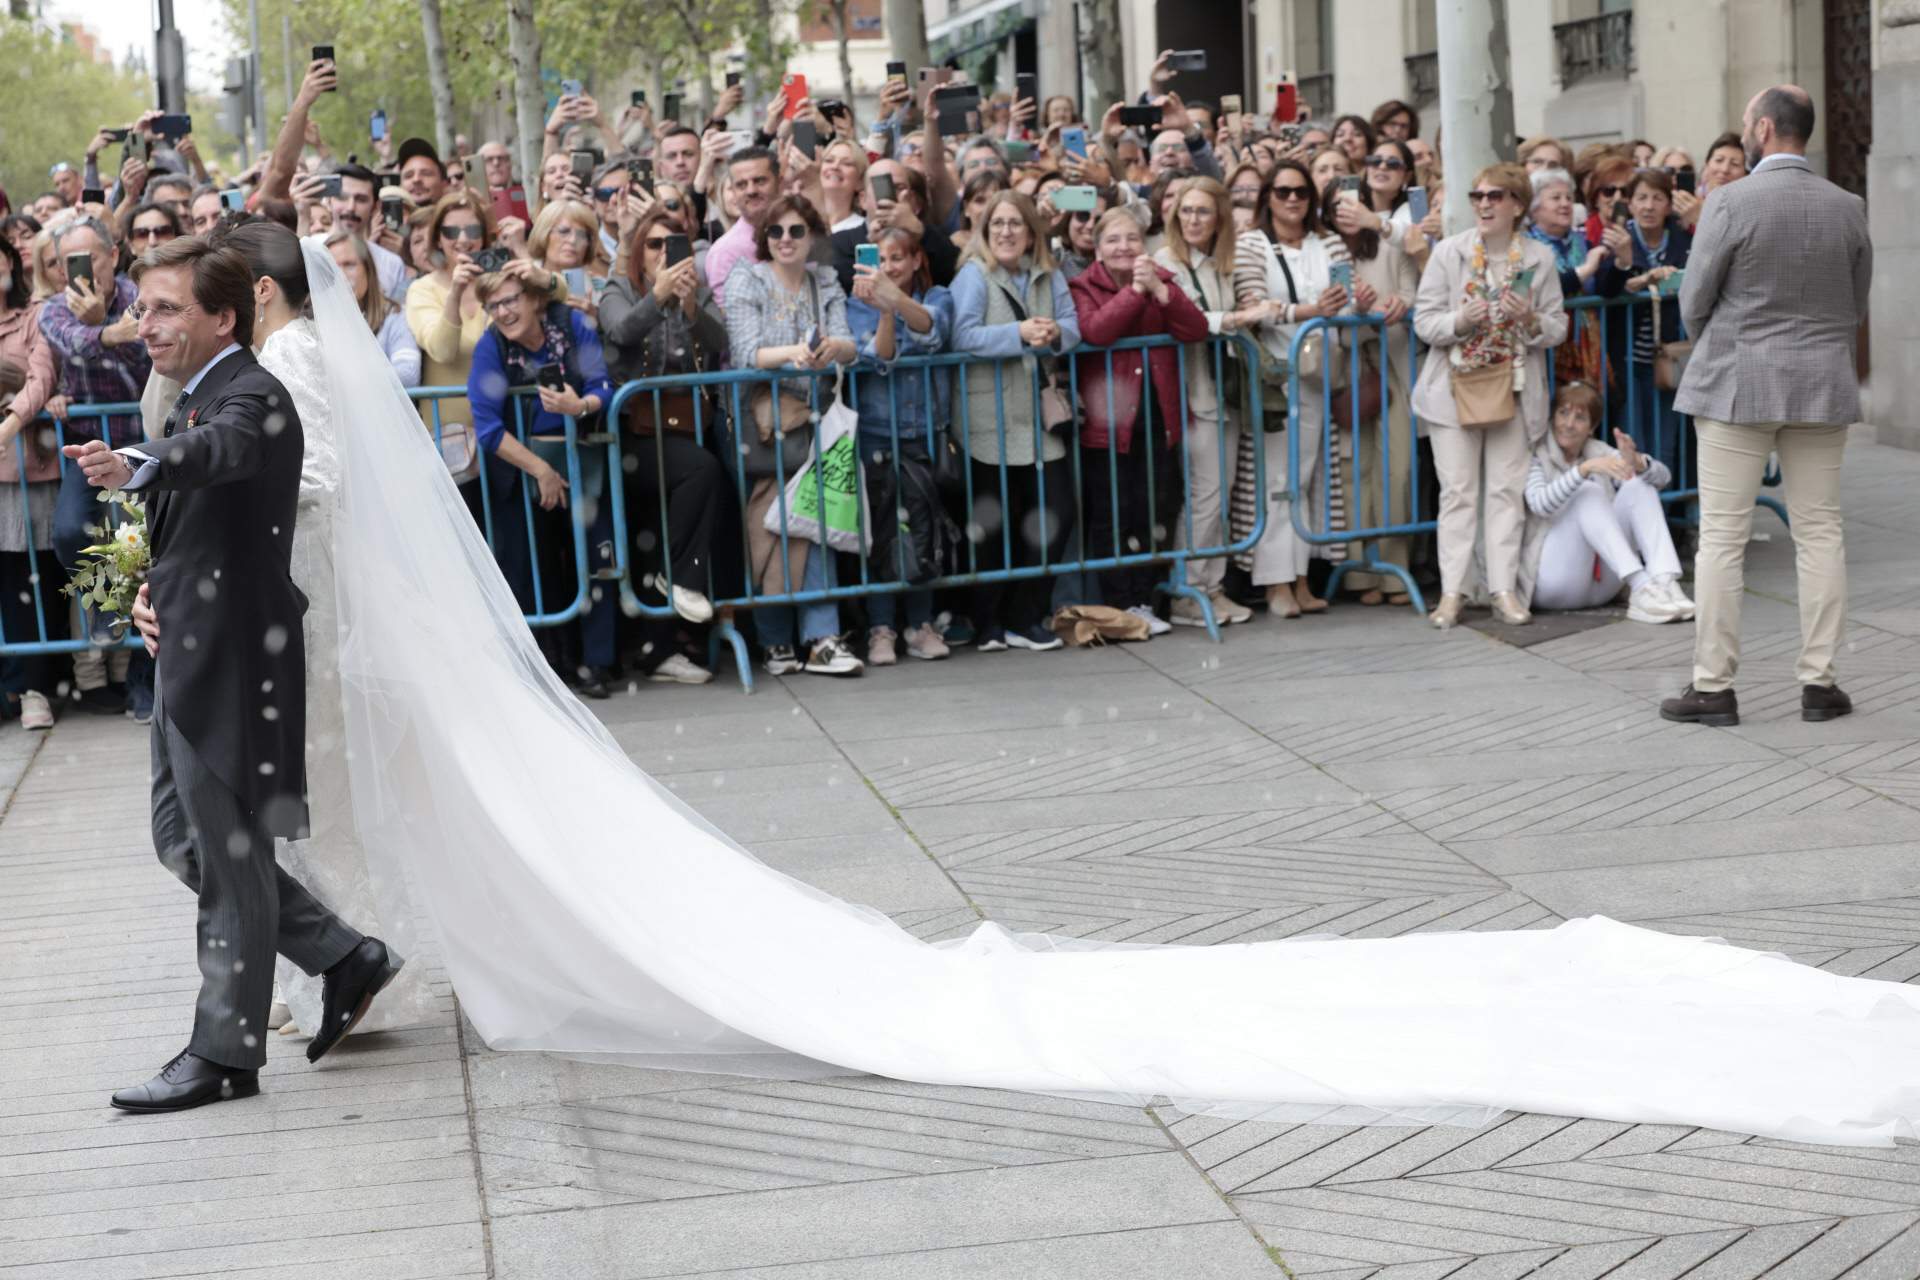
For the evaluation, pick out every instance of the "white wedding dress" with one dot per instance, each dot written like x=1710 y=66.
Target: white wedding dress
x=330 y=861
x=585 y=910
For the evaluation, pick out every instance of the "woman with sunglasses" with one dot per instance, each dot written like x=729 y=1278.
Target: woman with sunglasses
x=1073 y=235
x=1489 y=301
x=1290 y=265
x=773 y=304
x=1606 y=187
x=661 y=321
x=147 y=226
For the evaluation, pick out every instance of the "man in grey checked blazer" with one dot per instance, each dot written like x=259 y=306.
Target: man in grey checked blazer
x=1775 y=292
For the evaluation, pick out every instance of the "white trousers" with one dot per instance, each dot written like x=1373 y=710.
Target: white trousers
x=1213 y=448
x=1625 y=528
x=1464 y=458
x=1281 y=554
x=1732 y=461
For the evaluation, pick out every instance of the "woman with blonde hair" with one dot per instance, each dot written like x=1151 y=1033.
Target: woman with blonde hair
x=1012 y=306
x=1201 y=252
x=566 y=241
x=355 y=260
x=1489 y=309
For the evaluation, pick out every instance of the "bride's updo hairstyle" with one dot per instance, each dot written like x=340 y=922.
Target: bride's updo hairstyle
x=271 y=251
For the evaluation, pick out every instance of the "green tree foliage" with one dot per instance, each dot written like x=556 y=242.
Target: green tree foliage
x=52 y=100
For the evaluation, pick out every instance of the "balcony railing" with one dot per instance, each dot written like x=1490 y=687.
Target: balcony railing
x=1595 y=48
x=1423 y=79
x=1317 y=92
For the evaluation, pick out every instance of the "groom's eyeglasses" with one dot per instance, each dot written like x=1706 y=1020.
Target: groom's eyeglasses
x=165 y=310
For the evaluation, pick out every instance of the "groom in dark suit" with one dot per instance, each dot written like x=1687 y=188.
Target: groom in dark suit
x=229 y=759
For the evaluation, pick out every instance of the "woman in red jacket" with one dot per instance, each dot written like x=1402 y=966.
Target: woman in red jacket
x=1132 y=479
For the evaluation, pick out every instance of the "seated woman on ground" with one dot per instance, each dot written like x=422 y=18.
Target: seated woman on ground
x=1585 y=500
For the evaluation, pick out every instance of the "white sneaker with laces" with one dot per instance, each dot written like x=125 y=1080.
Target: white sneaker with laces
x=1648 y=603
x=781 y=660
x=35 y=711
x=692 y=606
x=678 y=668
x=1155 y=626
x=925 y=643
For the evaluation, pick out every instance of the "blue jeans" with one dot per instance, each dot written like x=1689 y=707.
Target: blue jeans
x=817 y=621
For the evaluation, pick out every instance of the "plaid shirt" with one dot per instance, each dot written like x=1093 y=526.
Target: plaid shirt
x=94 y=374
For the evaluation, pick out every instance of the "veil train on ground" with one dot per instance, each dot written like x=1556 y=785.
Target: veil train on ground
x=583 y=909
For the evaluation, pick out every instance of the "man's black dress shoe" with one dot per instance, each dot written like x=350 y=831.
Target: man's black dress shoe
x=1694 y=707
x=1824 y=702
x=187 y=1082
x=349 y=988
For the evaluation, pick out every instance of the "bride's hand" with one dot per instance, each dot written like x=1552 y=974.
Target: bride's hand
x=147 y=622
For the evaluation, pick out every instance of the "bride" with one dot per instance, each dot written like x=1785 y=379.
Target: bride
x=329 y=861
x=600 y=916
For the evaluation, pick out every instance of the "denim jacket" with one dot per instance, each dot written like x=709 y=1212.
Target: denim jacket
x=880 y=394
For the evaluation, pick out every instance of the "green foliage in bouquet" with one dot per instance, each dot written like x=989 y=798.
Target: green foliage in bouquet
x=112 y=570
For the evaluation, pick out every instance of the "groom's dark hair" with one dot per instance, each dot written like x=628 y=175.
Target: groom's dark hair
x=221 y=279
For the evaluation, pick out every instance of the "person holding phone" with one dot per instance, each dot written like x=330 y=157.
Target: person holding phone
x=1658 y=248
x=785 y=310
x=1582 y=269
x=896 y=310
x=1489 y=305
x=896 y=197
x=94 y=336
x=566 y=242
x=660 y=320
x=1072 y=239
x=1289 y=265
x=535 y=341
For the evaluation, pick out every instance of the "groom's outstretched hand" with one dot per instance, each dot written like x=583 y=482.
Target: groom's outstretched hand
x=103 y=468
x=146 y=621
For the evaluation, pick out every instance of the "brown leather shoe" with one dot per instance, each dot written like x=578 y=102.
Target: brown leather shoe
x=1824 y=702
x=1694 y=707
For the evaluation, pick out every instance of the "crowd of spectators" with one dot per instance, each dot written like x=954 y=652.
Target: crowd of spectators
x=1028 y=238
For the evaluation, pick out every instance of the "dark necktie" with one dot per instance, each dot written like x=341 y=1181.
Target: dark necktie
x=173 y=417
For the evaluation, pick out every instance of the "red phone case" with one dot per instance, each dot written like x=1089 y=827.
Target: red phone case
x=796 y=89
x=1286 y=103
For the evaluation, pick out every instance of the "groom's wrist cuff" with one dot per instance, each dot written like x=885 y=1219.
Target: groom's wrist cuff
x=144 y=468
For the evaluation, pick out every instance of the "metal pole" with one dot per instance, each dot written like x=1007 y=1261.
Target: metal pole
x=257 y=62
x=169 y=61
x=1476 y=97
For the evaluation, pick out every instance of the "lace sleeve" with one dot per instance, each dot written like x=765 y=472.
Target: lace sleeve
x=292 y=354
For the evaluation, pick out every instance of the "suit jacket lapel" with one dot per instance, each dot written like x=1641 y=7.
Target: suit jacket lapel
x=203 y=393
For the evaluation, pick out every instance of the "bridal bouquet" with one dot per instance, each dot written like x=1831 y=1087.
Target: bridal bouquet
x=112 y=570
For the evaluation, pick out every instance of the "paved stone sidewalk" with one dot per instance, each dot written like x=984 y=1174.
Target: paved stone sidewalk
x=1353 y=774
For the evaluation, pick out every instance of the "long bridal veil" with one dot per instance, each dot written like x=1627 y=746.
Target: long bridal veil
x=583 y=909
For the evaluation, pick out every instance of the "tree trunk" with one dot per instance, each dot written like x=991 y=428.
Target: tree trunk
x=838 y=10
x=18 y=9
x=438 y=78
x=907 y=34
x=1101 y=53
x=529 y=103
x=1476 y=96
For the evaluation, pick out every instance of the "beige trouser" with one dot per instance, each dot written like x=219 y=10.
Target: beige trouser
x=1393 y=437
x=1732 y=461
x=1464 y=457
x=1210 y=472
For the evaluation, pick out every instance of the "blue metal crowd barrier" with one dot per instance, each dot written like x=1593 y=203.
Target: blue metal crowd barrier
x=1668 y=437
x=504 y=520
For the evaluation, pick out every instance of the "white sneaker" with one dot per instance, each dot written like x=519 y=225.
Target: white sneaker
x=1671 y=586
x=1648 y=603
x=35 y=711
x=781 y=660
x=680 y=669
x=829 y=657
x=1186 y=612
x=924 y=642
x=1155 y=627
x=692 y=606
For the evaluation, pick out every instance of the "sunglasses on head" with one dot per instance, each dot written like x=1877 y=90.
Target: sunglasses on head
x=790 y=230
x=1385 y=162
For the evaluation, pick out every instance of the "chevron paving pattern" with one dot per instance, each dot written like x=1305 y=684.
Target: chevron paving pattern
x=1351 y=775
